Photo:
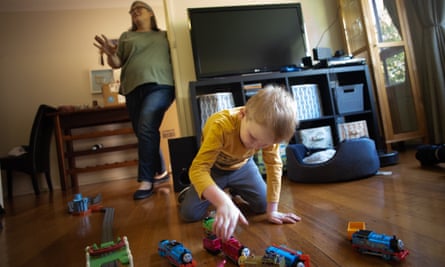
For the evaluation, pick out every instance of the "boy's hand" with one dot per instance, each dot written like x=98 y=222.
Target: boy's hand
x=227 y=213
x=280 y=218
x=226 y=219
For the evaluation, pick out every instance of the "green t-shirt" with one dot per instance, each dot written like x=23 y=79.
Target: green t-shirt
x=145 y=58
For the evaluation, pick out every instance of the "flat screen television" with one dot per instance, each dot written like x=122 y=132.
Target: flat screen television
x=239 y=40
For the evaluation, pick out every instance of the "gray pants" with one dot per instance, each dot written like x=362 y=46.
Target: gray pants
x=246 y=182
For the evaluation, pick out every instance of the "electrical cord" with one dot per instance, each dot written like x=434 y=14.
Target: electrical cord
x=329 y=27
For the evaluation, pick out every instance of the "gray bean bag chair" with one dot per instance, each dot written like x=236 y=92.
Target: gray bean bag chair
x=354 y=159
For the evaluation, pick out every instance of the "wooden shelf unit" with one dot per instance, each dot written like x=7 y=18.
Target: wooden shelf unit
x=68 y=121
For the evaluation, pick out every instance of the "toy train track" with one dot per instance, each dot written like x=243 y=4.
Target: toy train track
x=110 y=252
x=107 y=224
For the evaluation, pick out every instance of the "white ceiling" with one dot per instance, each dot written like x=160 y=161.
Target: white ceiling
x=42 y=5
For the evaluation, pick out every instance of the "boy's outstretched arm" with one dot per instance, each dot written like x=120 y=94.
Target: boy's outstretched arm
x=227 y=213
x=274 y=216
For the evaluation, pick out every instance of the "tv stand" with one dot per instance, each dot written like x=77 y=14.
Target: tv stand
x=327 y=80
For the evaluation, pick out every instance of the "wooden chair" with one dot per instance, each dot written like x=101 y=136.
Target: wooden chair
x=36 y=160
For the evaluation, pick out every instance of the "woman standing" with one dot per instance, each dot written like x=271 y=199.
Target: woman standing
x=147 y=82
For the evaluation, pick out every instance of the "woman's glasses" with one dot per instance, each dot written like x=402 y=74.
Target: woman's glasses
x=136 y=9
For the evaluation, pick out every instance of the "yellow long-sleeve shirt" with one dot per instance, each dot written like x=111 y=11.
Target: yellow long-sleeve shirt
x=221 y=147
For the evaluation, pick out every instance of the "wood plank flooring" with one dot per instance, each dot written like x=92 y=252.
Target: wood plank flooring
x=38 y=231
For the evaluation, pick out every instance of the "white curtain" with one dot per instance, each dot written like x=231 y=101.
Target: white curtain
x=427 y=26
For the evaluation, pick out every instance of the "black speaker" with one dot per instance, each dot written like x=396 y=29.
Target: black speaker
x=182 y=152
x=320 y=53
x=307 y=62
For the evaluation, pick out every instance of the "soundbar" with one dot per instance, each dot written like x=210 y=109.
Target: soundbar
x=333 y=62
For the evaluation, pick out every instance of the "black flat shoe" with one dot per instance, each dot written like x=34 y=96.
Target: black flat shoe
x=161 y=180
x=141 y=194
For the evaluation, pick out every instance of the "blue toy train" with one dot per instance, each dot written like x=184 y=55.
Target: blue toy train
x=385 y=246
x=293 y=258
x=176 y=253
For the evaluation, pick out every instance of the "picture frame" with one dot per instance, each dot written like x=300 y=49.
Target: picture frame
x=99 y=78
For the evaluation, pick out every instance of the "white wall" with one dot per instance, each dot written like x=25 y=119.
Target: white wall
x=46 y=56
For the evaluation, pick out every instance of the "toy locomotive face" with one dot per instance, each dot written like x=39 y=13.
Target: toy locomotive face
x=187 y=257
x=400 y=245
x=245 y=251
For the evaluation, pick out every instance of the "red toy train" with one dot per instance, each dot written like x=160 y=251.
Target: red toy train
x=231 y=248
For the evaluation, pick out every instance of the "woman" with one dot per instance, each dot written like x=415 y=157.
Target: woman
x=143 y=55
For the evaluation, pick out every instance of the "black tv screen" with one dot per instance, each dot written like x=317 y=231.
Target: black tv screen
x=246 y=39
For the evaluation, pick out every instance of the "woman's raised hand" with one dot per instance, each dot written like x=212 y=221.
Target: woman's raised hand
x=105 y=46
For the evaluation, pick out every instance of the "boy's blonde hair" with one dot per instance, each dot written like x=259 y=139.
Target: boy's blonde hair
x=274 y=108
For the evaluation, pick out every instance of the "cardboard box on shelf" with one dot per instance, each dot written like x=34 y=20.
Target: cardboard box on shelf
x=111 y=96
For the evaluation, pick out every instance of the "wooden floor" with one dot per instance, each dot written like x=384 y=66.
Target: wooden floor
x=38 y=231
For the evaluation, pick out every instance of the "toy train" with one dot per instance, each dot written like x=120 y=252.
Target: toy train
x=207 y=225
x=293 y=258
x=109 y=252
x=84 y=205
x=238 y=253
x=267 y=260
x=385 y=246
x=232 y=248
x=176 y=253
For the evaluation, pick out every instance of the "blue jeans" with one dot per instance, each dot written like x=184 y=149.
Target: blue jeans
x=246 y=182
x=147 y=105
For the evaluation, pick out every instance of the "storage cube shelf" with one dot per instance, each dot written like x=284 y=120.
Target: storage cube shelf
x=326 y=97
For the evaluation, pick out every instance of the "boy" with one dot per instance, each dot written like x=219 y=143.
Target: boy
x=229 y=140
